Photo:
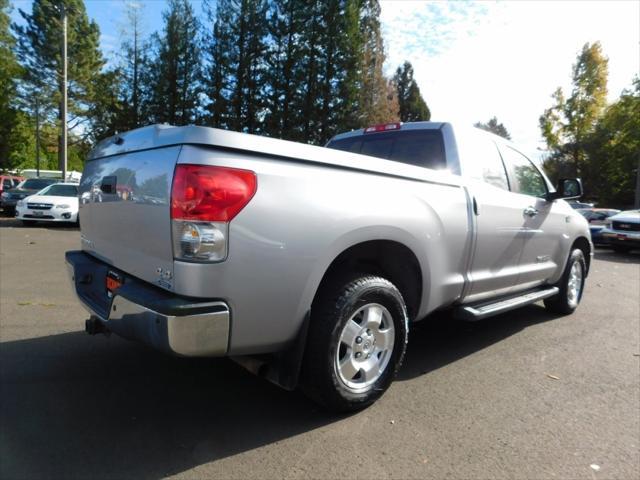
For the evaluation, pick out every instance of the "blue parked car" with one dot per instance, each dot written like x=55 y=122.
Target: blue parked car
x=597 y=218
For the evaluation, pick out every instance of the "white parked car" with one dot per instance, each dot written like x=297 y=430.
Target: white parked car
x=55 y=203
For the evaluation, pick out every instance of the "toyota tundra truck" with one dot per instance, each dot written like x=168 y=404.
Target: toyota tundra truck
x=309 y=264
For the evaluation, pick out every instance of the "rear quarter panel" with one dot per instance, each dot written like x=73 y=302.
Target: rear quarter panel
x=301 y=218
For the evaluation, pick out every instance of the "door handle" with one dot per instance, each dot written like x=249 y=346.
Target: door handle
x=530 y=212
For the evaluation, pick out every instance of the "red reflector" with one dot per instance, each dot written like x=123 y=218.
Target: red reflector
x=210 y=193
x=383 y=127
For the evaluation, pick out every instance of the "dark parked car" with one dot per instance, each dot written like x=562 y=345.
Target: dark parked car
x=597 y=218
x=9 y=198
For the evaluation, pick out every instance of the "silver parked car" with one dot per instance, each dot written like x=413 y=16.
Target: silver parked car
x=310 y=264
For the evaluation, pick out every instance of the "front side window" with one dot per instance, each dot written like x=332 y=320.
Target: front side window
x=528 y=179
x=6 y=184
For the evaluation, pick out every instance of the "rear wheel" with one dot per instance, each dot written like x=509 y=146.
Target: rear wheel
x=571 y=285
x=356 y=342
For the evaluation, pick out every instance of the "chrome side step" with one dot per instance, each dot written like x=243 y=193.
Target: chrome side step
x=480 y=311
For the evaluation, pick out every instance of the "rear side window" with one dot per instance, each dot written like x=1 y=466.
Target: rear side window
x=481 y=160
x=528 y=178
x=423 y=148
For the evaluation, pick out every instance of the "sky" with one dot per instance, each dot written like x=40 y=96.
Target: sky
x=473 y=60
x=476 y=60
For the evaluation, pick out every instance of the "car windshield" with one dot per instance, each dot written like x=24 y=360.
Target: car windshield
x=60 y=191
x=36 y=183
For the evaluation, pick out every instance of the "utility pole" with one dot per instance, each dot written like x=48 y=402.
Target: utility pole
x=62 y=155
x=37 y=135
x=636 y=202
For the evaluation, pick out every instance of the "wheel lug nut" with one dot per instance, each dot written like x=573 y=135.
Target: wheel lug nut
x=368 y=355
x=358 y=354
x=368 y=331
x=358 y=340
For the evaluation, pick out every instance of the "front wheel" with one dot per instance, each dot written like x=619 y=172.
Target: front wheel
x=356 y=341
x=571 y=285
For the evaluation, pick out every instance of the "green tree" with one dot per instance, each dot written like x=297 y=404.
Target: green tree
x=9 y=73
x=216 y=47
x=248 y=20
x=378 y=99
x=284 y=72
x=39 y=53
x=494 y=126
x=569 y=122
x=413 y=108
x=174 y=73
x=614 y=150
x=132 y=104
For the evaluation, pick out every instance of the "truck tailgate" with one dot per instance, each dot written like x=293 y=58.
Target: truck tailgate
x=125 y=212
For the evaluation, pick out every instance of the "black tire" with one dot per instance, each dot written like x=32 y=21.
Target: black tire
x=28 y=223
x=349 y=299
x=566 y=301
x=621 y=248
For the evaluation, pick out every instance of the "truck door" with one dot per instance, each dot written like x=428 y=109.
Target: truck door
x=499 y=224
x=544 y=222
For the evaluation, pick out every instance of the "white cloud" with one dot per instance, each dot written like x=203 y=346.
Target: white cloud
x=476 y=60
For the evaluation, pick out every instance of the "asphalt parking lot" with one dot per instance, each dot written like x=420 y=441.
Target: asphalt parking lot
x=522 y=395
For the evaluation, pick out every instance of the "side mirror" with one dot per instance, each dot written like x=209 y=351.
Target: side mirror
x=568 y=188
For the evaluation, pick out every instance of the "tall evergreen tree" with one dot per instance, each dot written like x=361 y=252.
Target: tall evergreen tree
x=378 y=100
x=174 y=73
x=133 y=61
x=248 y=32
x=350 y=83
x=413 y=108
x=494 y=126
x=217 y=46
x=284 y=73
x=8 y=76
x=39 y=53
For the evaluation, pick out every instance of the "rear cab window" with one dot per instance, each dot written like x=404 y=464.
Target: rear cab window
x=422 y=148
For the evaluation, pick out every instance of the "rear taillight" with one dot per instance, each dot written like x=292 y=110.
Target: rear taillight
x=209 y=193
x=204 y=199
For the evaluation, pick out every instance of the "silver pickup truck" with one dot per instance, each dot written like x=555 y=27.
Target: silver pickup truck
x=309 y=264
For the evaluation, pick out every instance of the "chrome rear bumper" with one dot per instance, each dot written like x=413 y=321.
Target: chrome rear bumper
x=183 y=327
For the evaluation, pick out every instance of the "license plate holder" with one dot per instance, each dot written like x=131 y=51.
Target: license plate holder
x=37 y=213
x=113 y=280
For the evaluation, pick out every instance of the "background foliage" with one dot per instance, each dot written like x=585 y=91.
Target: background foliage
x=296 y=69
x=301 y=70
x=588 y=139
